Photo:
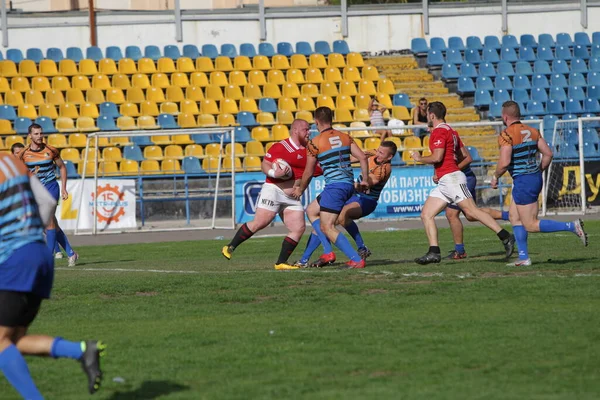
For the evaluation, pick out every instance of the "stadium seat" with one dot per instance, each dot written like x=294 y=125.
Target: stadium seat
x=581 y=52
x=46 y=124
x=450 y=72
x=133 y=52
x=542 y=67
x=557 y=93
x=172 y=52
x=509 y=54
x=540 y=81
x=505 y=68
x=487 y=69
x=546 y=39
x=501 y=95
x=438 y=43
x=555 y=107
x=558 y=80
x=166 y=65
x=465 y=86
x=419 y=46
x=435 y=58
x=535 y=108
x=185 y=65
x=482 y=98
x=456 y=43
x=146 y=66
x=521 y=82
x=523 y=68
x=474 y=42
x=539 y=94
x=468 y=70
x=503 y=82
x=576 y=93
x=491 y=55
x=191 y=51
x=545 y=53
x=454 y=56
x=114 y=53
x=472 y=56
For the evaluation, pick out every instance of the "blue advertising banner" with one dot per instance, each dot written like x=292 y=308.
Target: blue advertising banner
x=403 y=196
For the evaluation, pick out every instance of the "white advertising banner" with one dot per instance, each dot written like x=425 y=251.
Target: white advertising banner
x=116 y=205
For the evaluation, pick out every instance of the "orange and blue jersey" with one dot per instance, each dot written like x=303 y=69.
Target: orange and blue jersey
x=524 y=142
x=382 y=171
x=332 y=150
x=41 y=162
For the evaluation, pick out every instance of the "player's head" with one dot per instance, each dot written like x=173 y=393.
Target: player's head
x=423 y=103
x=16 y=148
x=510 y=112
x=436 y=111
x=323 y=117
x=35 y=134
x=300 y=131
x=386 y=151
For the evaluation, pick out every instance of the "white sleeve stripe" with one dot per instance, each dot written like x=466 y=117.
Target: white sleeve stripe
x=6 y=171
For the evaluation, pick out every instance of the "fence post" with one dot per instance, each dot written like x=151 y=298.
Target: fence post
x=4 y=25
x=178 y=27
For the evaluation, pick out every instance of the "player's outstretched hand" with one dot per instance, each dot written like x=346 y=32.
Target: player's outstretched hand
x=65 y=195
x=416 y=156
x=363 y=186
x=435 y=179
x=494 y=182
x=297 y=193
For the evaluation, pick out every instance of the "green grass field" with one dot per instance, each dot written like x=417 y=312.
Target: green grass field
x=471 y=329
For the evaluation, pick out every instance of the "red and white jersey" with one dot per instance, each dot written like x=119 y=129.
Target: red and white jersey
x=293 y=154
x=444 y=137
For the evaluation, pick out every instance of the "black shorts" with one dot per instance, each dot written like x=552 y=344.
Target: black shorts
x=18 y=308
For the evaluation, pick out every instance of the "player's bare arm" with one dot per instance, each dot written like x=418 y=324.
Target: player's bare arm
x=63 y=177
x=362 y=158
x=466 y=158
x=546 y=153
x=436 y=157
x=311 y=163
x=502 y=166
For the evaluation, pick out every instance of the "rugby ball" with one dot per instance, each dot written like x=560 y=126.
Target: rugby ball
x=280 y=163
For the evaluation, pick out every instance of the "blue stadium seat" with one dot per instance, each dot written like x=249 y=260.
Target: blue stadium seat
x=503 y=82
x=578 y=65
x=580 y=51
x=437 y=43
x=449 y=72
x=573 y=106
x=595 y=50
x=14 y=55
x=322 y=47
x=523 y=68
x=505 y=68
x=541 y=67
x=593 y=92
x=397 y=160
x=564 y=39
x=142 y=141
x=248 y=50
x=566 y=151
x=591 y=106
x=285 y=49
x=571 y=136
x=8 y=112
x=546 y=40
x=535 y=108
x=266 y=49
x=227 y=50
x=591 y=136
x=419 y=46
x=152 y=52
x=435 y=58
x=472 y=56
x=134 y=152
x=109 y=109
x=528 y=40
x=454 y=56
x=46 y=124
x=94 y=53
x=563 y=53
x=468 y=70
x=487 y=69
x=133 y=52
x=549 y=121
x=582 y=39
x=474 y=42
x=242 y=134
x=591 y=124
x=191 y=51
x=172 y=51
x=491 y=42
x=71 y=170
x=510 y=41
x=21 y=125
x=593 y=78
x=558 y=93
x=456 y=43
x=246 y=119
x=501 y=95
x=107 y=123
x=474 y=154
x=527 y=54
x=191 y=165
x=495 y=110
x=521 y=82
x=539 y=94
x=341 y=47
x=75 y=54
x=540 y=81
x=482 y=98
x=558 y=80
x=401 y=99
x=114 y=53
x=590 y=151
x=555 y=107
x=304 y=48
x=595 y=38
x=560 y=67
x=55 y=54
x=167 y=121
x=484 y=83
x=465 y=85
x=545 y=53
x=267 y=104
x=35 y=54
x=490 y=55
x=210 y=50
x=202 y=139
x=520 y=95
x=577 y=79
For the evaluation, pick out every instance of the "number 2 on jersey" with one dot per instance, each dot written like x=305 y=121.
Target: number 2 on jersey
x=526 y=135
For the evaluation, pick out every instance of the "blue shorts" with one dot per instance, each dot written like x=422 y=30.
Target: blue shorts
x=29 y=269
x=333 y=198
x=366 y=204
x=471 y=185
x=527 y=188
x=53 y=188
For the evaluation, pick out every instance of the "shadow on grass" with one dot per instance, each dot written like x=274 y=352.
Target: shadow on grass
x=81 y=264
x=567 y=261
x=150 y=390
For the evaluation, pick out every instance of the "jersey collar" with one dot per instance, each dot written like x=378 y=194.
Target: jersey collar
x=294 y=144
x=327 y=129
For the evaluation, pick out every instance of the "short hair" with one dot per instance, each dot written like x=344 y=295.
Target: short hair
x=32 y=127
x=422 y=99
x=16 y=146
x=390 y=145
x=437 y=108
x=511 y=108
x=324 y=115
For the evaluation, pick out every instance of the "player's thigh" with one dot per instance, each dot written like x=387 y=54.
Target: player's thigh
x=433 y=206
x=262 y=218
x=312 y=211
x=294 y=220
x=351 y=211
x=469 y=208
x=513 y=214
x=328 y=220
x=528 y=214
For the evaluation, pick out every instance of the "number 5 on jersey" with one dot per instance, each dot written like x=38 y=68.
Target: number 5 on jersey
x=335 y=142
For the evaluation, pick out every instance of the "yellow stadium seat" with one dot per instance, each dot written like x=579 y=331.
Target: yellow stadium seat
x=400 y=112
x=39 y=84
x=271 y=90
x=228 y=165
x=155 y=94
x=6 y=128
x=355 y=60
x=265 y=118
x=126 y=123
x=167 y=107
x=89 y=110
x=242 y=63
x=189 y=107
x=129 y=110
x=120 y=140
x=174 y=93
x=67 y=67
x=81 y=82
x=180 y=79
x=268 y=145
x=212 y=149
x=426 y=141
x=280 y=62
x=64 y=124
x=239 y=149
x=291 y=90
x=194 y=93
x=255 y=148
x=69 y=154
x=362 y=101
x=194 y=150
x=20 y=84
x=75 y=96
x=48 y=110
x=252 y=163
x=412 y=143
x=372 y=143
x=329 y=89
x=294 y=76
x=10 y=140
x=150 y=167
x=325 y=101
x=58 y=83
x=147 y=122
x=129 y=167
x=342 y=115
x=336 y=60
x=27 y=111
x=285 y=117
x=28 y=68
x=396 y=140
x=206 y=120
x=13 y=98
x=214 y=92
x=286 y=103
x=146 y=66
x=257 y=77
x=68 y=110
x=361 y=114
x=87 y=67
x=386 y=86
x=218 y=78
x=115 y=95
x=204 y=64
x=332 y=74
x=276 y=76
x=261 y=63
x=48 y=68
x=160 y=80
x=161 y=140
x=171 y=166
x=306 y=104
x=298 y=61
x=344 y=101
x=181 y=139
x=185 y=65
x=8 y=68
x=199 y=79
x=233 y=92
x=140 y=81
x=223 y=63
x=359 y=143
x=90 y=169
x=107 y=66
x=351 y=74
x=384 y=100
x=52 y=97
x=127 y=66
x=305 y=115
x=153 y=153
x=108 y=168
x=348 y=88
x=100 y=81
x=210 y=164
x=94 y=96
x=248 y=105
x=370 y=73
x=317 y=61
x=112 y=154
x=313 y=75
x=86 y=124
x=166 y=65
x=78 y=140
x=280 y=132
x=5 y=84
x=367 y=87
x=237 y=78
x=260 y=133
x=226 y=120
x=121 y=81
x=407 y=158
x=33 y=97
x=362 y=133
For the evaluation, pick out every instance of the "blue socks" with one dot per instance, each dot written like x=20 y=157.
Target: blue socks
x=344 y=245
x=504 y=215
x=460 y=248
x=352 y=229
x=312 y=245
x=64 y=349
x=64 y=242
x=51 y=239
x=521 y=239
x=548 y=225
x=322 y=237
x=15 y=369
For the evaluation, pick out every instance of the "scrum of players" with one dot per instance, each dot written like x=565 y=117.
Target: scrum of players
x=291 y=164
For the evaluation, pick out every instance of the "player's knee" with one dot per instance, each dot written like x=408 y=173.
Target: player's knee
x=471 y=214
x=470 y=218
x=531 y=225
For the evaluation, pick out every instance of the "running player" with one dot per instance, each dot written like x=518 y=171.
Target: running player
x=445 y=145
x=26 y=275
x=358 y=206
x=42 y=160
x=275 y=195
x=332 y=149
x=520 y=146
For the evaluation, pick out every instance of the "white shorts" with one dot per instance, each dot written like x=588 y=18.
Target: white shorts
x=274 y=199
x=452 y=188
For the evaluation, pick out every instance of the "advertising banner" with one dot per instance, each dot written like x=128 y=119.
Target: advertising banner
x=564 y=186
